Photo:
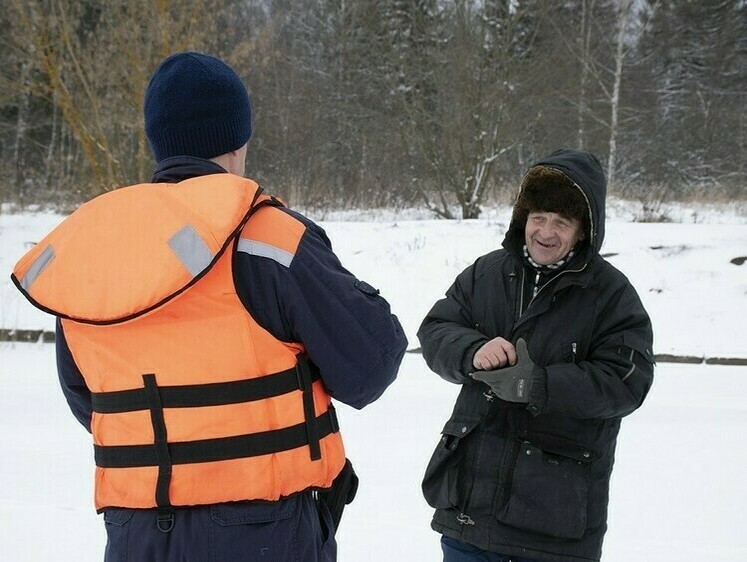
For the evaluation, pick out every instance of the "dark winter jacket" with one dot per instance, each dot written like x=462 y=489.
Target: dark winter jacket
x=533 y=479
x=347 y=330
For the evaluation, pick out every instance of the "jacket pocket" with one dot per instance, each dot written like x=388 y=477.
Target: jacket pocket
x=254 y=530
x=637 y=358
x=329 y=545
x=245 y=513
x=547 y=490
x=117 y=523
x=640 y=344
x=444 y=482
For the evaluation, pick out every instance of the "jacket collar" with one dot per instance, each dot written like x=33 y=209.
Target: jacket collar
x=576 y=274
x=180 y=168
x=513 y=243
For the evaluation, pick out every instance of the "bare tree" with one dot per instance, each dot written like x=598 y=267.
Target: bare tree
x=470 y=118
x=438 y=102
x=91 y=64
x=622 y=26
x=585 y=55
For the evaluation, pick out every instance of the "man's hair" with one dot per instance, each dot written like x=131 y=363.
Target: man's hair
x=546 y=189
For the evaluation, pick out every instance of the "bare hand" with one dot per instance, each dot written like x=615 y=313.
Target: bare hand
x=494 y=354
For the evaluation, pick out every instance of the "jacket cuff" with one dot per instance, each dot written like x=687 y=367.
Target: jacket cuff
x=469 y=355
x=538 y=393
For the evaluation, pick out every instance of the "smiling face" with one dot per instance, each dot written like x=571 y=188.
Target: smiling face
x=550 y=237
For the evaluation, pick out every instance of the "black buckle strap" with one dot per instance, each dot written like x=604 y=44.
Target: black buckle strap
x=334 y=423
x=305 y=384
x=209 y=394
x=165 y=519
x=224 y=448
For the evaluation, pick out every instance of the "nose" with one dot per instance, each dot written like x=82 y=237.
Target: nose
x=546 y=231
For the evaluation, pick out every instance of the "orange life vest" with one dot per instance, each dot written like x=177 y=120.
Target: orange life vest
x=194 y=402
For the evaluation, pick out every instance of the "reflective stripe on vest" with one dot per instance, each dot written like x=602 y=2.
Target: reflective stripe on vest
x=39 y=264
x=272 y=234
x=192 y=250
x=256 y=248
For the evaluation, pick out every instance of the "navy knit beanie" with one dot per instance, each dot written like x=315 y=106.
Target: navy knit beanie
x=196 y=105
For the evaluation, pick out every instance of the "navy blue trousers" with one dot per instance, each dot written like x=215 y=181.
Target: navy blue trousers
x=456 y=551
x=294 y=529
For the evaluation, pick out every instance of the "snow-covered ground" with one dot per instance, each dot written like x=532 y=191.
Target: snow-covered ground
x=678 y=491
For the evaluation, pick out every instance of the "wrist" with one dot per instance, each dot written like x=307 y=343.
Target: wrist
x=468 y=365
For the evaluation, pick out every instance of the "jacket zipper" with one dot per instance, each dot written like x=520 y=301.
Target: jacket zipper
x=463 y=518
x=518 y=320
x=521 y=296
x=553 y=279
x=513 y=459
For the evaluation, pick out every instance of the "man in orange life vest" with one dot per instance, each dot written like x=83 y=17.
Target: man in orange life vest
x=202 y=329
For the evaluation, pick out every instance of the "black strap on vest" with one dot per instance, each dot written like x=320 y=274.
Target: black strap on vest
x=165 y=517
x=210 y=394
x=220 y=449
x=304 y=383
x=164 y=454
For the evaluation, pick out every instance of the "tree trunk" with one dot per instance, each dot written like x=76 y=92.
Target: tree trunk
x=51 y=149
x=471 y=209
x=585 y=51
x=16 y=180
x=615 y=100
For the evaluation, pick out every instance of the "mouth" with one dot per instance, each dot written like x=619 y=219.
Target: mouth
x=544 y=245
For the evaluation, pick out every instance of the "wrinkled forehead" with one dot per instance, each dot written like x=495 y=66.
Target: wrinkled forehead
x=552 y=216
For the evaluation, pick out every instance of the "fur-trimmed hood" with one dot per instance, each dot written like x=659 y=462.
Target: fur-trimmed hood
x=584 y=170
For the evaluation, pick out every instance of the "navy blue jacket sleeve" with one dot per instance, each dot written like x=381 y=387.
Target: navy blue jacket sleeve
x=346 y=327
x=73 y=384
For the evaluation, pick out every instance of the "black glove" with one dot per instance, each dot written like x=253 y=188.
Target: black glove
x=514 y=383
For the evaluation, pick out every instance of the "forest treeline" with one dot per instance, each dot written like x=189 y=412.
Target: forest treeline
x=437 y=103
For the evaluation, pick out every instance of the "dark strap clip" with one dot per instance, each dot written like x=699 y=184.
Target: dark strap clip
x=165 y=520
x=303 y=374
x=333 y=422
x=465 y=519
x=163 y=456
x=305 y=383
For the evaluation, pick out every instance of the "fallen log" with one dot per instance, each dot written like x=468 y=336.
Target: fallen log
x=670 y=358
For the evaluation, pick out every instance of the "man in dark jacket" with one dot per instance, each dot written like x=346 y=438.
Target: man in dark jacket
x=552 y=347
x=198 y=121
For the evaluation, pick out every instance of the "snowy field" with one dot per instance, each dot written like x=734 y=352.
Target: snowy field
x=678 y=491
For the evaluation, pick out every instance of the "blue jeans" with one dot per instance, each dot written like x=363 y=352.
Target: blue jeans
x=456 y=551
